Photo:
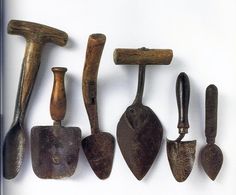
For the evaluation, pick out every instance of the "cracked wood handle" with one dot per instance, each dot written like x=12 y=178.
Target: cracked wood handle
x=211 y=113
x=94 y=51
x=58 y=97
x=183 y=95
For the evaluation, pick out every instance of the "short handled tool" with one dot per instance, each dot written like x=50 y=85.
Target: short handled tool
x=211 y=154
x=55 y=149
x=139 y=131
x=181 y=154
x=99 y=146
x=36 y=36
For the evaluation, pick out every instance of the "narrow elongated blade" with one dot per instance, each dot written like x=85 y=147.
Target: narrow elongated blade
x=55 y=151
x=99 y=151
x=212 y=160
x=181 y=156
x=139 y=135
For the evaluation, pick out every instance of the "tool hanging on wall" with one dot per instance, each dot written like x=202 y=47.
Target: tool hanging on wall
x=139 y=131
x=99 y=146
x=55 y=149
x=36 y=36
x=181 y=154
x=211 y=154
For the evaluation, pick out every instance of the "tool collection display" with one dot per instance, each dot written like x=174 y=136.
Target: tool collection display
x=55 y=149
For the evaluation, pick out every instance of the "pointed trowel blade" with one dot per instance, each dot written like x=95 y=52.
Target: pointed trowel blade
x=212 y=160
x=139 y=135
x=181 y=156
x=99 y=150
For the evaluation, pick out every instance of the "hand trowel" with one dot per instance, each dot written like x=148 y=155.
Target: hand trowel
x=55 y=149
x=139 y=131
x=211 y=154
x=181 y=154
x=99 y=146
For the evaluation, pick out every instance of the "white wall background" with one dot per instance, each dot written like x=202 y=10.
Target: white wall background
x=202 y=36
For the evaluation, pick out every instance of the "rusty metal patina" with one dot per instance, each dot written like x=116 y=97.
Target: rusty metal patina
x=211 y=154
x=181 y=154
x=139 y=131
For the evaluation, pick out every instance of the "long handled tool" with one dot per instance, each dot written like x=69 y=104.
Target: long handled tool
x=139 y=131
x=211 y=154
x=98 y=147
x=181 y=154
x=55 y=149
x=36 y=36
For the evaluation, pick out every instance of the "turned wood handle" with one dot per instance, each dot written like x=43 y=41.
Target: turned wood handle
x=143 y=56
x=183 y=95
x=58 y=97
x=211 y=113
x=94 y=51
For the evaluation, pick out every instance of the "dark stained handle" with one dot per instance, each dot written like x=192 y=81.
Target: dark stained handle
x=143 y=56
x=211 y=113
x=94 y=51
x=58 y=97
x=183 y=95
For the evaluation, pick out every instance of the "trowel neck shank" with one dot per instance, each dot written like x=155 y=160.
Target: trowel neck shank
x=141 y=81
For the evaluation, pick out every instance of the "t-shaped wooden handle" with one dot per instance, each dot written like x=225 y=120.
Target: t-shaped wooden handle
x=143 y=56
x=36 y=35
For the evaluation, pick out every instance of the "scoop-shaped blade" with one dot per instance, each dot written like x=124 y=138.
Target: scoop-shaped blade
x=212 y=160
x=181 y=156
x=99 y=151
x=139 y=135
x=13 y=151
x=55 y=151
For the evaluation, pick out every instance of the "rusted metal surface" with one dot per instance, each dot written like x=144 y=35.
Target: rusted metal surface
x=55 y=149
x=211 y=154
x=139 y=131
x=98 y=147
x=36 y=36
x=181 y=154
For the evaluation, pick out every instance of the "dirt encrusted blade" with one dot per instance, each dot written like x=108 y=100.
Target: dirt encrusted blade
x=55 y=151
x=99 y=151
x=181 y=156
x=139 y=135
x=212 y=160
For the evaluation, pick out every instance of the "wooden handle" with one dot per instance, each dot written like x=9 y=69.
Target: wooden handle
x=143 y=56
x=37 y=32
x=211 y=113
x=58 y=97
x=36 y=35
x=183 y=95
x=94 y=51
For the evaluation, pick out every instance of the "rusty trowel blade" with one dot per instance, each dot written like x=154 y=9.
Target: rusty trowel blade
x=55 y=151
x=99 y=150
x=212 y=160
x=181 y=156
x=139 y=135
